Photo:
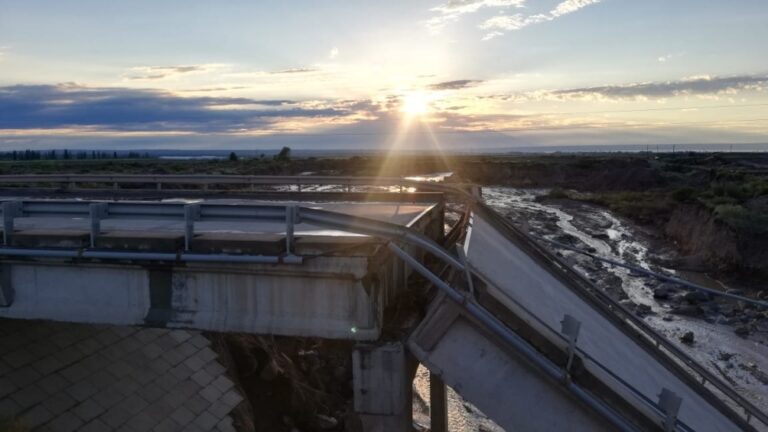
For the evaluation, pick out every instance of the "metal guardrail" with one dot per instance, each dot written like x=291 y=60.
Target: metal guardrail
x=249 y=181
x=96 y=212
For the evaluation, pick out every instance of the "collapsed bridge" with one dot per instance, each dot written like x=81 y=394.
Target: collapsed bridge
x=510 y=327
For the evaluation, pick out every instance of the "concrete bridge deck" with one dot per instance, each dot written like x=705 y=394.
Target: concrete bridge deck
x=235 y=272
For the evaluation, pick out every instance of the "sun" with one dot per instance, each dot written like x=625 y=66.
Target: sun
x=416 y=104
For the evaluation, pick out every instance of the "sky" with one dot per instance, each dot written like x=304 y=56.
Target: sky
x=415 y=75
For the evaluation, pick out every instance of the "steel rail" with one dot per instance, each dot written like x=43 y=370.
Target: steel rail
x=145 y=256
x=205 y=179
x=653 y=274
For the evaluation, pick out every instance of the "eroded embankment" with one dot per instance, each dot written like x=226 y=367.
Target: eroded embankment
x=291 y=384
x=706 y=242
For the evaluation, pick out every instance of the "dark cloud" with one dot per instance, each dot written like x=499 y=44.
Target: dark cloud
x=454 y=85
x=49 y=106
x=691 y=86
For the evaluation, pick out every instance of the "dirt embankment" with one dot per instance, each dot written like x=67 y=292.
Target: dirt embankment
x=707 y=242
x=290 y=384
x=702 y=239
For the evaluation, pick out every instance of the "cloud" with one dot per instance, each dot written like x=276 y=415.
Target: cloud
x=454 y=85
x=668 y=57
x=570 y=6
x=213 y=89
x=124 y=109
x=161 y=72
x=454 y=9
x=693 y=86
x=333 y=53
x=294 y=71
x=498 y=25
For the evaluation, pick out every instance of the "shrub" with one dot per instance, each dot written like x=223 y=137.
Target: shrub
x=684 y=194
x=742 y=219
x=557 y=193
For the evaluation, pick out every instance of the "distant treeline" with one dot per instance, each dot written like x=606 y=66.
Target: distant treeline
x=28 y=155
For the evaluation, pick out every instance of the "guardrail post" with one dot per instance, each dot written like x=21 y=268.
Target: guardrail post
x=669 y=403
x=467 y=272
x=191 y=214
x=97 y=211
x=291 y=218
x=159 y=186
x=438 y=404
x=11 y=210
x=570 y=327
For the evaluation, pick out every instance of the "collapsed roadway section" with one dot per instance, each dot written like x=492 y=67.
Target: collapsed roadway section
x=511 y=328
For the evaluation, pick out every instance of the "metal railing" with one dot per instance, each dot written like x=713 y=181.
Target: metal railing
x=246 y=181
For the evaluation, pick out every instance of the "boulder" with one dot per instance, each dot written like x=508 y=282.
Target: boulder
x=325 y=422
x=662 y=292
x=687 y=338
x=742 y=330
x=688 y=310
x=695 y=297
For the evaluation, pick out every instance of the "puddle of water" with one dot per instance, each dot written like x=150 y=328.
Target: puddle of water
x=433 y=177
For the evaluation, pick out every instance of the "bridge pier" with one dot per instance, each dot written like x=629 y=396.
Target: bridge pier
x=383 y=393
x=438 y=404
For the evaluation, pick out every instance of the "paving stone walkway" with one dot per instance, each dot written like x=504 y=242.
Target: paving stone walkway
x=63 y=377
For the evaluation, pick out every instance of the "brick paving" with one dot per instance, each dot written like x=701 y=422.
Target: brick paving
x=62 y=377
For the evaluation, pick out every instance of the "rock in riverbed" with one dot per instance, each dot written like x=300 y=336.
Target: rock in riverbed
x=742 y=330
x=687 y=338
x=664 y=291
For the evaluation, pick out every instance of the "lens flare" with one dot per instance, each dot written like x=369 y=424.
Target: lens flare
x=416 y=104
